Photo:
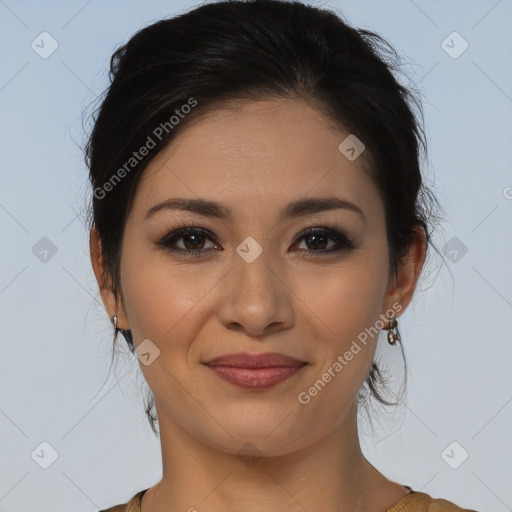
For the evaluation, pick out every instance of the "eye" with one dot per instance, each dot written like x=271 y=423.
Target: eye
x=193 y=239
x=318 y=240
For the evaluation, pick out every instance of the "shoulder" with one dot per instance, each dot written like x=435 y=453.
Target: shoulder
x=132 y=505
x=422 y=502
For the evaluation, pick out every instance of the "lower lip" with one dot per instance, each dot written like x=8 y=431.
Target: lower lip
x=255 y=378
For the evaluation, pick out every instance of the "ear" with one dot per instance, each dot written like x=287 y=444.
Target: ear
x=401 y=289
x=112 y=304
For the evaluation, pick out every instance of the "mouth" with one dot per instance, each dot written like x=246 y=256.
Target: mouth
x=255 y=371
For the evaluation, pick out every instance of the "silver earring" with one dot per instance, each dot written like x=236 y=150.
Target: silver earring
x=127 y=334
x=393 y=334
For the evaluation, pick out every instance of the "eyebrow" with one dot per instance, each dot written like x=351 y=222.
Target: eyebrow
x=294 y=209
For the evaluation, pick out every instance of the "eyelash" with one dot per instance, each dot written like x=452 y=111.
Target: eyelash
x=344 y=244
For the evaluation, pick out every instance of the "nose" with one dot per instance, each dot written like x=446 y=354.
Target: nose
x=255 y=298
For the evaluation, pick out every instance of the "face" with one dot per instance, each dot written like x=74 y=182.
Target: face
x=306 y=284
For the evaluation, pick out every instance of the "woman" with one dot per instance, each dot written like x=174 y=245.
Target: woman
x=259 y=216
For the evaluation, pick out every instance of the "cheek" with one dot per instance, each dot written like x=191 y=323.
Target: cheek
x=347 y=298
x=347 y=306
x=162 y=298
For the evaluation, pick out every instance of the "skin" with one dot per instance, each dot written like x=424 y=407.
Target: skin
x=256 y=157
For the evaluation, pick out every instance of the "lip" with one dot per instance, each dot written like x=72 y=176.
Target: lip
x=265 y=360
x=255 y=371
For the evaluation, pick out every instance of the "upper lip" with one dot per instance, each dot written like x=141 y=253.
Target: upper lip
x=265 y=360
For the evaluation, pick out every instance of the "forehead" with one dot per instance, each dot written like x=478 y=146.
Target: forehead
x=257 y=153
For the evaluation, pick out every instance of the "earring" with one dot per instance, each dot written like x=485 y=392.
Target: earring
x=127 y=334
x=114 y=320
x=393 y=334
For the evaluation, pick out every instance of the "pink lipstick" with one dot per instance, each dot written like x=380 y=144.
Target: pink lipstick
x=255 y=371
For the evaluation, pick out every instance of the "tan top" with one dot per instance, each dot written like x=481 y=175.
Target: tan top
x=412 y=502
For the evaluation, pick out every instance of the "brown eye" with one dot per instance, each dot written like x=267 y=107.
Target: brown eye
x=317 y=241
x=192 y=241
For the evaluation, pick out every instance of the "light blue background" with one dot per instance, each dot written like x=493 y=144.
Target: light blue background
x=56 y=338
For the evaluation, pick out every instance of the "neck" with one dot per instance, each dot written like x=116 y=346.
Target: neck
x=330 y=475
